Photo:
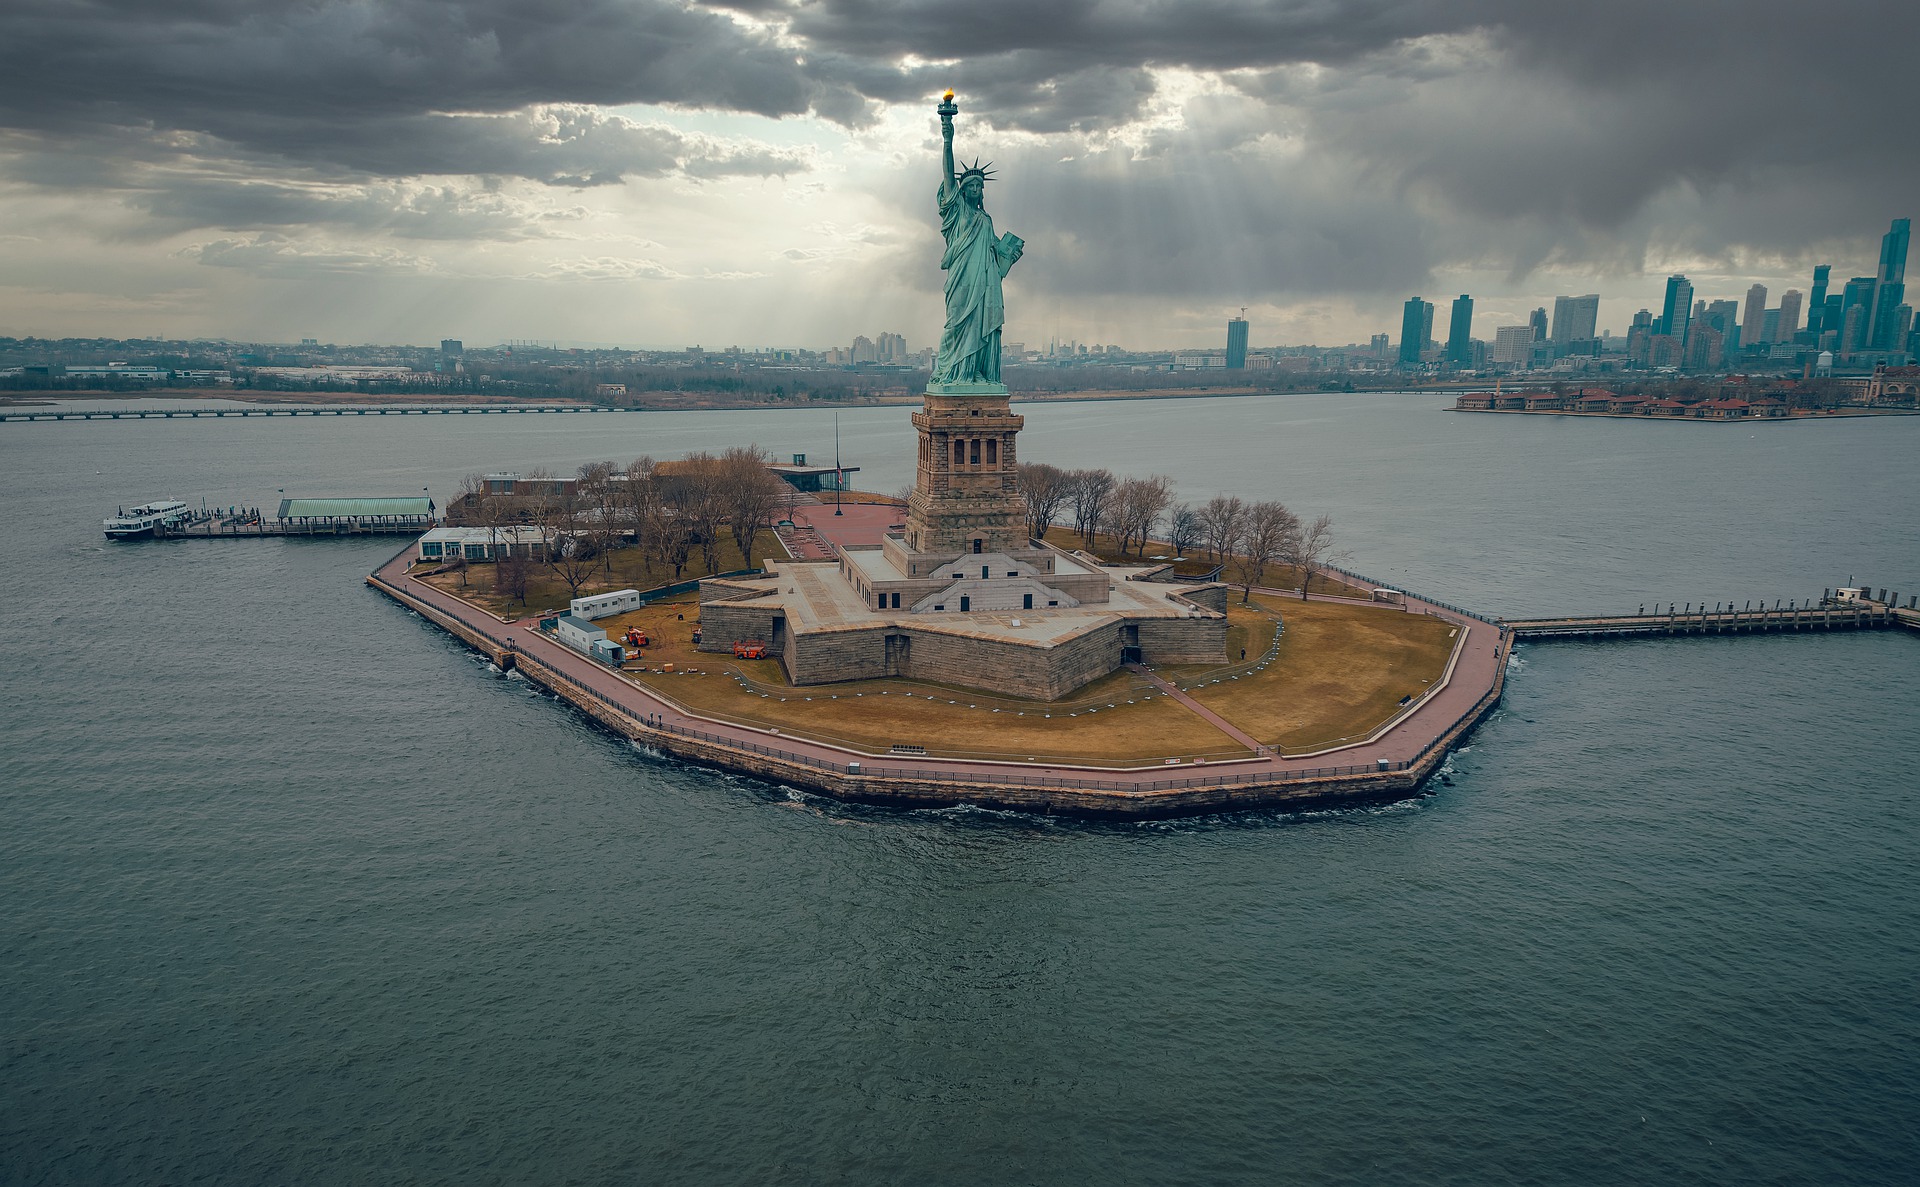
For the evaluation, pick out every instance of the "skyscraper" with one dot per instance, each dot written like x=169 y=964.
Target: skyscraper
x=1539 y=323
x=1724 y=316
x=1890 y=286
x=1237 y=343
x=1856 y=314
x=1751 y=325
x=1416 y=320
x=1789 y=316
x=1677 y=312
x=1817 y=304
x=1460 y=333
x=1574 y=318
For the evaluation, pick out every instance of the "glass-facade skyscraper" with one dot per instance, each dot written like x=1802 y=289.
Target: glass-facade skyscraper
x=1415 y=318
x=1460 y=333
x=1890 y=287
x=1236 y=343
x=1676 y=313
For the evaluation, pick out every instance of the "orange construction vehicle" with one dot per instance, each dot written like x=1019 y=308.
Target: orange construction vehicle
x=638 y=638
x=749 y=649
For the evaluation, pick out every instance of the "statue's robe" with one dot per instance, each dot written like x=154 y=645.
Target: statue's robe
x=975 y=261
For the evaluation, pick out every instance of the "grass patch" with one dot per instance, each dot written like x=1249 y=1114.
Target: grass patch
x=1338 y=675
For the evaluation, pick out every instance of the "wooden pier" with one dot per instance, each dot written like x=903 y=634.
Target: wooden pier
x=222 y=528
x=305 y=410
x=1829 y=616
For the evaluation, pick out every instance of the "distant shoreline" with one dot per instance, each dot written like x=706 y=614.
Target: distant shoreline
x=249 y=396
x=1787 y=418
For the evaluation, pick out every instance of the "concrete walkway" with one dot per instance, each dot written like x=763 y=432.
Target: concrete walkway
x=1477 y=671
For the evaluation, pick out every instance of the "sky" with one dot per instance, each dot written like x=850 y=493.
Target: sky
x=656 y=174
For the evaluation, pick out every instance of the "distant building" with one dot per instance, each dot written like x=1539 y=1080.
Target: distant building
x=451 y=348
x=1890 y=287
x=1416 y=321
x=1575 y=319
x=1236 y=343
x=1817 y=303
x=864 y=351
x=1513 y=345
x=1539 y=323
x=1460 y=333
x=1705 y=348
x=1724 y=316
x=1856 y=314
x=1676 y=313
x=1789 y=316
x=1753 y=330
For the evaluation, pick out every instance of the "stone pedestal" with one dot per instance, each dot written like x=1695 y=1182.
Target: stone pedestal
x=966 y=491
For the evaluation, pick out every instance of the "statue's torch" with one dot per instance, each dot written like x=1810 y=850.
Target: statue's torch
x=947 y=109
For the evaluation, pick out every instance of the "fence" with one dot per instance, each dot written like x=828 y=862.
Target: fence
x=1449 y=606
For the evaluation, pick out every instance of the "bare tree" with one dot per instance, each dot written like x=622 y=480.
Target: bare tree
x=466 y=500
x=698 y=506
x=1313 y=550
x=1183 y=528
x=1268 y=537
x=1221 y=522
x=599 y=512
x=751 y=494
x=573 y=551
x=1145 y=505
x=639 y=495
x=1090 y=492
x=511 y=574
x=1046 y=490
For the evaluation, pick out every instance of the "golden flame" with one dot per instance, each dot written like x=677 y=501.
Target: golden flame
x=948 y=97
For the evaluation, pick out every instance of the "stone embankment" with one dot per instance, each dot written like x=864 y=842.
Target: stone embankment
x=1391 y=764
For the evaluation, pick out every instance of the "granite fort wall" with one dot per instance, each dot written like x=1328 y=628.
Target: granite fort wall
x=1183 y=640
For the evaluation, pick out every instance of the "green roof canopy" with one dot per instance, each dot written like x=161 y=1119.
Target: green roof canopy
x=415 y=505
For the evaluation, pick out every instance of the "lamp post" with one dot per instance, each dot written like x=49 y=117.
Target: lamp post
x=839 y=476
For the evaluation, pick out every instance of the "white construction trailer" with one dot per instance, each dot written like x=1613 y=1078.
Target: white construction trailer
x=605 y=605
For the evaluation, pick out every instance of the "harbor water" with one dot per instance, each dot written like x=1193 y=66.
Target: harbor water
x=297 y=889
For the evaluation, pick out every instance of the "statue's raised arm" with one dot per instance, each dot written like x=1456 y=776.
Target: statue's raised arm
x=974 y=261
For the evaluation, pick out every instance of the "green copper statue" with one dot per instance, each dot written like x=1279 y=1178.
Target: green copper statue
x=974 y=262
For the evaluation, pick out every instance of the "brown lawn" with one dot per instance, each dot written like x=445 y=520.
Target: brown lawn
x=1339 y=674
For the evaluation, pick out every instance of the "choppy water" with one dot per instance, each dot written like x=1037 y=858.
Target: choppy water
x=295 y=889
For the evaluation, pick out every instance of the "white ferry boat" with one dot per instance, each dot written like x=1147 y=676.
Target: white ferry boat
x=143 y=520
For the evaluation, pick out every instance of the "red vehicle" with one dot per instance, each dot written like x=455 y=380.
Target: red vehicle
x=638 y=638
x=749 y=649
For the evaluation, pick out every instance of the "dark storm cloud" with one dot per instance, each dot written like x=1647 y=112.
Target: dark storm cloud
x=242 y=103
x=1465 y=132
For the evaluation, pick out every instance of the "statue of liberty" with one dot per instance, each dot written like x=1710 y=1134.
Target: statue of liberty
x=974 y=262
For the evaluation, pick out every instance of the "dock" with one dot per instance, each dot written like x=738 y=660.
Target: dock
x=223 y=528
x=1828 y=615
x=307 y=410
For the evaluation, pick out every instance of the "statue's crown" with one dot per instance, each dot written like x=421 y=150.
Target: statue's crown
x=983 y=172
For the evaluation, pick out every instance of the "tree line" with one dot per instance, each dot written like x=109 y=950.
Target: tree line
x=1245 y=537
x=671 y=511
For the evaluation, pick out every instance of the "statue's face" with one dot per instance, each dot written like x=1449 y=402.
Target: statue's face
x=973 y=189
